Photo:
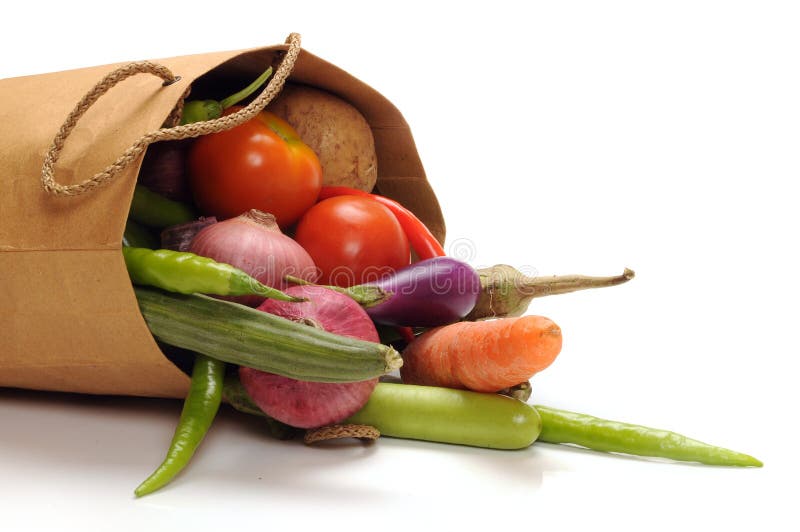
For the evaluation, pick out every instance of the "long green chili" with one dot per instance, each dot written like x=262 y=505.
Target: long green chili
x=187 y=273
x=561 y=426
x=199 y=410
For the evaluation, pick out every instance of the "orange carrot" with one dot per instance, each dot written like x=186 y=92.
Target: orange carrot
x=484 y=356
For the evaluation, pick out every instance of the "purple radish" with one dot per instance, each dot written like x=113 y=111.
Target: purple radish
x=305 y=404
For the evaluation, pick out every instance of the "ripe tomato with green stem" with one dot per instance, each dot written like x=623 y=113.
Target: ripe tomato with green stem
x=261 y=164
x=352 y=240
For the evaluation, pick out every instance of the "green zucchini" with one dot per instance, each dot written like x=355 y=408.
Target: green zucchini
x=248 y=337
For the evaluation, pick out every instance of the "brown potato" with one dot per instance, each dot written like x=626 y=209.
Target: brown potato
x=336 y=131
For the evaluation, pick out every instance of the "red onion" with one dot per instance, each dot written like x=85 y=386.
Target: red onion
x=313 y=404
x=164 y=170
x=326 y=309
x=253 y=243
x=179 y=237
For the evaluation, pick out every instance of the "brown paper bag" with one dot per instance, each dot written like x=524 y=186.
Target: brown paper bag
x=69 y=320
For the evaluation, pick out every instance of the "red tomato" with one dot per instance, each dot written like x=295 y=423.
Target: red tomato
x=352 y=240
x=261 y=164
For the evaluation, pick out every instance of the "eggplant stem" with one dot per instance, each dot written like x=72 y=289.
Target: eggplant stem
x=563 y=284
x=505 y=291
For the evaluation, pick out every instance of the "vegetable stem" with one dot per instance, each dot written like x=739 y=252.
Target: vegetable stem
x=562 y=284
x=202 y=110
x=521 y=391
x=505 y=291
x=235 y=98
x=366 y=295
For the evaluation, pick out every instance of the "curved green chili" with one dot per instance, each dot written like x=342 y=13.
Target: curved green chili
x=560 y=426
x=187 y=273
x=154 y=210
x=199 y=410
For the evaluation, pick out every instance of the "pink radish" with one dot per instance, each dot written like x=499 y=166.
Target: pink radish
x=313 y=404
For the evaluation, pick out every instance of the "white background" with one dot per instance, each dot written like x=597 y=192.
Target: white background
x=571 y=137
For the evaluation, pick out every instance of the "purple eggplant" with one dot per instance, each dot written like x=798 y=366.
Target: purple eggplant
x=427 y=293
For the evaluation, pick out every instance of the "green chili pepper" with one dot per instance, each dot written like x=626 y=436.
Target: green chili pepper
x=154 y=210
x=560 y=426
x=199 y=410
x=201 y=110
x=137 y=236
x=187 y=273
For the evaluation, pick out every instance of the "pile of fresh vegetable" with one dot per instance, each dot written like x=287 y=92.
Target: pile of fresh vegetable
x=299 y=293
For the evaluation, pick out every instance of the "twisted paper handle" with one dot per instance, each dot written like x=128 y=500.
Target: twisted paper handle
x=169 y=133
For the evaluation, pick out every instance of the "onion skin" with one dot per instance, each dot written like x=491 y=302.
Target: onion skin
x=427 y=293
x=306 y=404
x=327 y=309
x=253 y=243
x=164 y=170
x=179 y=237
